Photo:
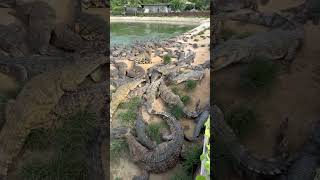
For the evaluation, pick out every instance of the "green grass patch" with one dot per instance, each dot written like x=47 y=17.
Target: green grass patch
x=190 y=85
x=153 y=131
x=117 y=148
x=185 y=99
x=192 y=159
x=259 y=74
x=181 y=175
x=129 y=116
x=38 y=139
x=176 y=111
x=242 y=120
x=166 y=59
x=70 y=151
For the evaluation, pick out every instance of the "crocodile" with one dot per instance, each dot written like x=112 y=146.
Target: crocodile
x=201 y=120
x=39 y=18
x=245 y=160
x=136 y=72
x=172 y=99
x=24 y=68
x=165 y=156
x=139 y=91
x=39 y=95
x=152 y=94
x=143 y=58
x=140 y=128
x=12 y=39
x=192 y=75
x=272 y=45
x=121 y=94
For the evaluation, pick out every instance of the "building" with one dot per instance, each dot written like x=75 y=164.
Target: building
x=156 y=8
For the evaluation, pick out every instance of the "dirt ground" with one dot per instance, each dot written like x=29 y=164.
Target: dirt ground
x=294 y=95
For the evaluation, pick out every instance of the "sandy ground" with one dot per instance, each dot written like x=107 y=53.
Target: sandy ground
x=202 y=92
x=295 y=95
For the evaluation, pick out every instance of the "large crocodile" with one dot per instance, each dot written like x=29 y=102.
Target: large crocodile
x=239 y=153
x=121 y=94
x=24 y=68
x=282 y=42
x=201 y=120
x=164 y=156
x=152 y=94
x=35 y=101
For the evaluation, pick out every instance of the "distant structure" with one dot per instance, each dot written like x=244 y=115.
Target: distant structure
x=156 y=8
x=148 y=8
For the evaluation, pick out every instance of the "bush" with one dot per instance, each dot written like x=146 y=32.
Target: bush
x=259 y=74
x=153 y=131
x=190 y=85
x=242 y=120
x=185 y=99
x=176 y=111
x=166 y=59
x=192 y=159
x=181 y=175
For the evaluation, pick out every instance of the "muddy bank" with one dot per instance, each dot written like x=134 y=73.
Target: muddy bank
x=164 y=20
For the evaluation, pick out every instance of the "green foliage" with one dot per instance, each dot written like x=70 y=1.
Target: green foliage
x=259 y=74
x=178 y=5
x=117 y=148
x=153 y=131
x=242 y=120
x=205 y=156
x=166 y=59
x=190 y=85
x=118 y=178
x=192 y=159
x=130 y=114
x=181 y=175
x=38 y=139
x=176 y=111
x=185 y=99
x=70 y=151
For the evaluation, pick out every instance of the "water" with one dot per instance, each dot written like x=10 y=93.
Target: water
x=127 y=33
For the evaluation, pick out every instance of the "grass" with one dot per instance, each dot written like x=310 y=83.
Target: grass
x=260 y=74
x=185 y=99
x=176 y=111
x=181 y=175
x=192 y=159
x=153 y=131
x=38 y=139
x=242 y=120
x=190 y=85
x=166 y=59
x=70 y=150
x=117 y=148
x=129 y=115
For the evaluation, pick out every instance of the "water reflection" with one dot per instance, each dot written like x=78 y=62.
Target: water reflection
x=126 y=33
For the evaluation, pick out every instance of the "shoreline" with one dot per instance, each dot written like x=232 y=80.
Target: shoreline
x=160 y=20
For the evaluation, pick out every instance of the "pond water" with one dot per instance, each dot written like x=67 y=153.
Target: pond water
x=126 y=33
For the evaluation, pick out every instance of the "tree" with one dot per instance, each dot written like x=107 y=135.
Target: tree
x=178 y=4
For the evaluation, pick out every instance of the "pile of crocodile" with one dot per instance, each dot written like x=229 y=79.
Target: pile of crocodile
x=280 y=43
x=152 y=83
x=59 y=59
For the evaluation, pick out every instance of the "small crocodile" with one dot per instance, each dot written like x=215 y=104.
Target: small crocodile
x=201 y=120
x=172 y=99
x=152 y=94
x=195 y=75
x=121 y=94
x=40 y=95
